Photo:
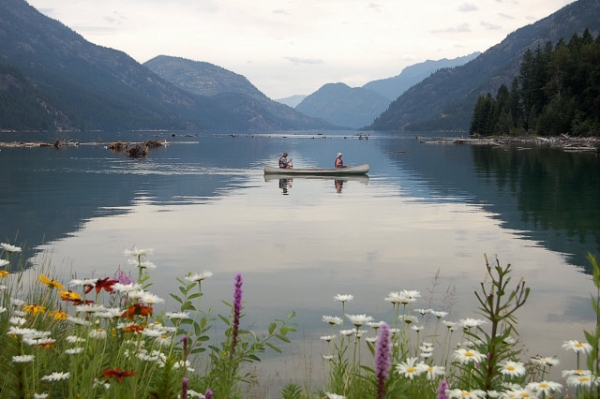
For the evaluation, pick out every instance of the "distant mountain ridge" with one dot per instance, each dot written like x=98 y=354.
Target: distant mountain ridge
x=231 y=91
x=446 y=99
x=342 y=105
x=393 y=87
x=68 y=83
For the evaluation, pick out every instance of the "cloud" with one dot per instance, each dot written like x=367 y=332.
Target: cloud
x=467 y=7
x=375 y=6
x=458 y=29
x=280 y=11
x=489 y=26
x=304 y=61
x=505 y=16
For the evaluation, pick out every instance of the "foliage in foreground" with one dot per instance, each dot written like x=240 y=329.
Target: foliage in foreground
x=103 y=338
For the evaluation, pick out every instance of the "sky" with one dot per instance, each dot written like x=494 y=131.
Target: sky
x=293 y=47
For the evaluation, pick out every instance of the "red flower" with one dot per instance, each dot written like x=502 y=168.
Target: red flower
x=105 y=283
x=118 y=374
x=139 y=310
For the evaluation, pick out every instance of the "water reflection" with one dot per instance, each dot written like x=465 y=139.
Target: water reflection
x=284 y=184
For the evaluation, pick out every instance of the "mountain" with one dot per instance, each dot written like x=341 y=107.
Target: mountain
x=291 y=101
x=231 y=91
x=65 y=82
x=446 y=99
x=393 y=87
x=342 y=105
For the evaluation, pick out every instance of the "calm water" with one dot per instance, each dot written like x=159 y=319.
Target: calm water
x=203 y=203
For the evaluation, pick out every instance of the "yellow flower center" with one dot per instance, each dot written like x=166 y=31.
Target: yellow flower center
x=578 y=345
x=510 y=367
x=410 y=370
x=469 y=354
x=544 y=385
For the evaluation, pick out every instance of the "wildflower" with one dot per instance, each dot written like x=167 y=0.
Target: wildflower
x=347 y=333
x=132 y=327
x=208 y=394
x=460 y=394
x=86 y=282
x=376 y=324
x=16 y=302
x=383 y=353
x=327 y=357
x=469 y=323
x=577 y=346
x=145 y=264
x=410 y=368
x=521 y=393
x=90 y=308
x=583 y=380
x=433 y=372
x=544 y=387
x=3 y=287
x=512 y=369
x=58 y=315
x=10 y=248
x=51 y=283
x=98 y=333
x=130 y=287
x=79 y=321
x=56 y=376
x=3 y=273
x=439 y=314
x=74 y=339
x=41 y=342
x=178 y=315
x=198 y=277
x=137 y=253
x=193 y=394
x=69 y=296
x=332 y=320
x=442 y=390
x=163 y=340
x=422 y=312
x=343 y=297
x=466 y=356
x=417 y=328
x=118 y=374
x=4 y=262
x=408 y=319
x=359 y=319
x=123 y=278
x=35 y=309
x=150 y=299
x=23 y=359
x=110 y=313
x=17 y=321
x=138 y=310
x=371 y=339
x=40 y=395
x=545 y=361
x=328 y=338
x=334 y=396
x=74 y=351
x=237 y=310
x=105 y=283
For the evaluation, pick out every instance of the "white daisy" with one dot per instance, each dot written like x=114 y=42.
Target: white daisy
x=334 y=396
x=577 y=346
x=83 y=283
x=460 y=394
x=328 y=338
x=545 y=361
x=410 y=368
x=466 y=356
x=17 y=321
x=74 y=339
x=178 y=315
x=56 y=376
x=23 y=359
x=469 y=323
x=433 y=372
x=10 y=248
x=359 y=319
x=150 y=299
x=439 y=314
x=197 y=277
x=545 y=387
x=97 y=333
x=74 y=351
x=40 y=395
x=333 y=320
x=138 y=252
x=512 y=369
x=343 y=297
x=4 y=262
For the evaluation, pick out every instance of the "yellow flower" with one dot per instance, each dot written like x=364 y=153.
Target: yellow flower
x=35 y=309
x=3 y=273
x=68 y=295
x=52 y=283
x=58 y=315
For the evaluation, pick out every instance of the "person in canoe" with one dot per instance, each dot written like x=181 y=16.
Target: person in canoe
x=285 y=163
x=338 y=161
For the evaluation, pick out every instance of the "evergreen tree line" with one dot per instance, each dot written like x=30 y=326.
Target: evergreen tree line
x=557 y=91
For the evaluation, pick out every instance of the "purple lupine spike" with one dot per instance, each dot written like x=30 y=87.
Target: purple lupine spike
x=237 y=311
x=123 y=278
x=442 y=392
x=184 y=388
x=383 y=353
x=208 y=394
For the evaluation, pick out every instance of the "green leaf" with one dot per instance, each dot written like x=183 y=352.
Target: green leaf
x=272 y=328
x=273 y=346
x=225 y=319
x=198 y=350
x=176 y=298
x=282 y=337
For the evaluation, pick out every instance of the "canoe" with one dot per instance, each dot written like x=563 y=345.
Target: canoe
x=364 y=179
x=352 y=170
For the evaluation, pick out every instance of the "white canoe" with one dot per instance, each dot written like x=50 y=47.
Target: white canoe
x=352 y=170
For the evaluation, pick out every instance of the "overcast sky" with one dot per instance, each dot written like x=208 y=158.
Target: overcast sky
x=287 y=47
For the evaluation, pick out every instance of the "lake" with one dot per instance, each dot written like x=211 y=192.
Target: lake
x=423 y=219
